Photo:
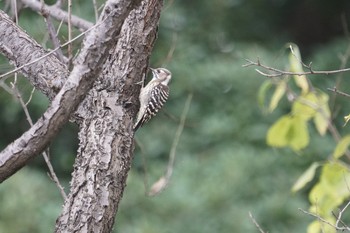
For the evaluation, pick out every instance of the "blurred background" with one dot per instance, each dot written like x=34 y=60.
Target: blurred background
x=223 y=168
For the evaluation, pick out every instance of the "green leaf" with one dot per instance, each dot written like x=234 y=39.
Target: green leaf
x=305 y=106
x=265 y=86
x=346 y=119
x=289 y=131
x=341 y=147
x=314 y=227
x=323 y=114
x=276 y=135
x=325 y=200
x=306 y=177
x=331 y=190
x=296 y=67
x=298 y=134
x=321 y=227
x=277 y=95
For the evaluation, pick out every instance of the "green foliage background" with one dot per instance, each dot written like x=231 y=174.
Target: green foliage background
x=223 y=167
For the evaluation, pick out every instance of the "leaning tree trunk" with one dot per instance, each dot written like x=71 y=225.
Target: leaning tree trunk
x=106 y=134
x=113 y=59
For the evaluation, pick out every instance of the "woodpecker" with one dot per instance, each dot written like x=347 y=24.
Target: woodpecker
x=153 y=96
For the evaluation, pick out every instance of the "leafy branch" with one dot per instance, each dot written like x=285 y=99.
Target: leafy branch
x=309 y=104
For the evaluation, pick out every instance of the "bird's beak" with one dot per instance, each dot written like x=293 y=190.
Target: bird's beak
x=153 y=71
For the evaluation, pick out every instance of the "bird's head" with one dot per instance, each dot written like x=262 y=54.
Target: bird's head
x=162 y=74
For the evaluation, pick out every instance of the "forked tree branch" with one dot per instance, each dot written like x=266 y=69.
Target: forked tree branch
x=86 y=68
x=336 y=227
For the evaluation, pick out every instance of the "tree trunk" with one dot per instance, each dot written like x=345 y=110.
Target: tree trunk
x=106 y=135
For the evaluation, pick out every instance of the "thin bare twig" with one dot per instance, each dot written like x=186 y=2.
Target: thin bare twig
x=344 y=60
x=95 y=9
x=335 y=90
x=278 y=72
x=52 y=32
x=17 y=94
x=6 y=87
x=339 y=217
x=178 y=135
x=340 y=221
x=324 y=220
x=52 y=173
x=54 y=38
x=70 y=46
x=164 y=180
x=30 y=97
x=14 y=3
x=256 y=223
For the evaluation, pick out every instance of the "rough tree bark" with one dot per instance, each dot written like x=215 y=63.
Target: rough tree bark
x=118 y=59
x=106 y=137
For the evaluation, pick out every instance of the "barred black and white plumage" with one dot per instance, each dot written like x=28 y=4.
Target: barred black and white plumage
x=153 y=96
